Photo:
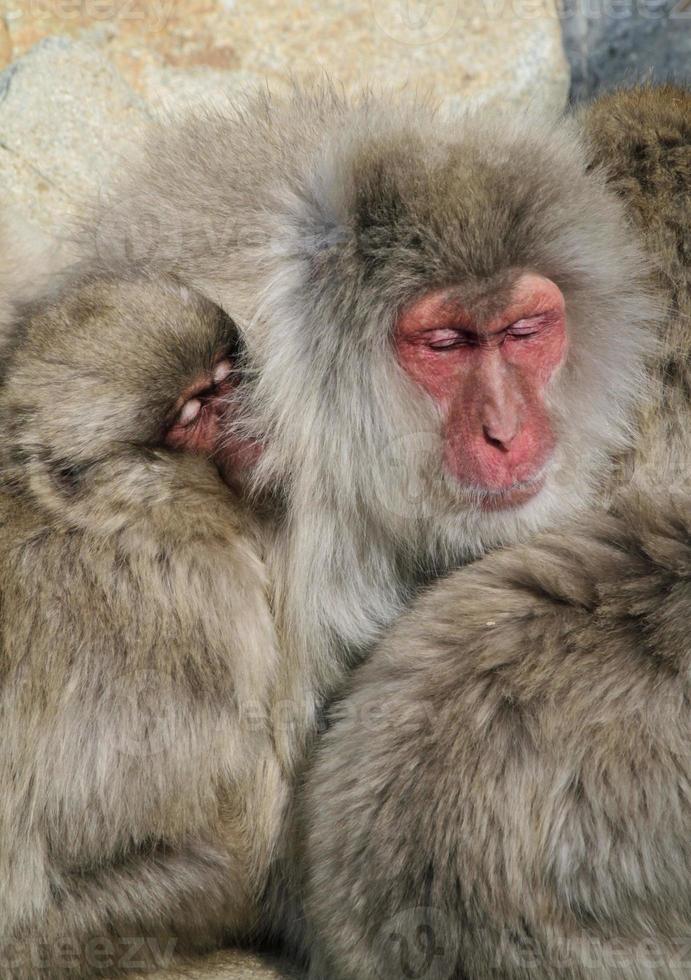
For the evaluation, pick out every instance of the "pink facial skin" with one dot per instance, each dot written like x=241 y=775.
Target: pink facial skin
x=199 y=425
x=489 y=381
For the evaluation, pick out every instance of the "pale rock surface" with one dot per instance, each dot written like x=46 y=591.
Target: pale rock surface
x=227 y=966
x=507 y=50
x=64 y=114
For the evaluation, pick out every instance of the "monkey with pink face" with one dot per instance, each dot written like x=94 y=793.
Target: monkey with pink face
x=141 y=793
x=461 y=333
x=455 y=339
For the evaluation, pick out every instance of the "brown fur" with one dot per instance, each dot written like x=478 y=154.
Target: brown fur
x=643 y=139
x=140 y=790
x=312 y=220
x=31 y=267
x=506 y=790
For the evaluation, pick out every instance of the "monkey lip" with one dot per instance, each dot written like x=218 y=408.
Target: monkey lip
x=514 y=495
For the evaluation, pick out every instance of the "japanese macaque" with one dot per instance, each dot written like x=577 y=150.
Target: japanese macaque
x=447 y=324
x=506 y=790
x=457 y=341
x=140 y=790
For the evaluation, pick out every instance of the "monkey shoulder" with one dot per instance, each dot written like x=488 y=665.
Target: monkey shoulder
x=544 y=686
x=569 y=619
x=642 y=137
x=161 y=583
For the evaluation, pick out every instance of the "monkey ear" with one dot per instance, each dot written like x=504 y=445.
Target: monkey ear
x=328 y=237
x=68 y=477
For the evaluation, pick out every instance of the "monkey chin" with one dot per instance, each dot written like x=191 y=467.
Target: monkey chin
x=514 y=495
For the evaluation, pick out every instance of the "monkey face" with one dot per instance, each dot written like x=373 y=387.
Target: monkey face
x=463 y=314
x=118 y=372
x=205 y=421
x=488 y=379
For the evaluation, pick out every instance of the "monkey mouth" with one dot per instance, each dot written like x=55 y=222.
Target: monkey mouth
x=515 y=495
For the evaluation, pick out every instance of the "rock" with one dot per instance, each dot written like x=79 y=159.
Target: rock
x=507 y=50
x=619 y=43
x=64 y=115
x=5 y=44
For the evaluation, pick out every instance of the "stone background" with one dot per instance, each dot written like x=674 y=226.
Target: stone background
x=82 y=76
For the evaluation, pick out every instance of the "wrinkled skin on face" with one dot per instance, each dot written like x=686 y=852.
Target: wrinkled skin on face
x=488 y=377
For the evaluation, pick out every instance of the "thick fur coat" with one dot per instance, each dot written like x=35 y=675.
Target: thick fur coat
x=140 y=789
x=506 y=790
x=312 y=221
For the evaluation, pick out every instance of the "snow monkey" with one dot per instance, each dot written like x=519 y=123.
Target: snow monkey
x=140 y=790
x=447 y=323
x=508 y=789
x=452 y=328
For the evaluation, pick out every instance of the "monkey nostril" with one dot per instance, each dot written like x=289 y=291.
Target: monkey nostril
x=500 y=440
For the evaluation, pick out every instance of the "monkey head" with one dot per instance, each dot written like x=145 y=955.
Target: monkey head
x=115 y=378
x=453 y=330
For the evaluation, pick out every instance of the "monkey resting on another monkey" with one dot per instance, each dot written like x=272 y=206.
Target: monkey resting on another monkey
x=138 y=787
x=507 y=789
x=447 y=324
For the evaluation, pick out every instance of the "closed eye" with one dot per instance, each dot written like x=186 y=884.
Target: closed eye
x=445 y=339
x=529 y=326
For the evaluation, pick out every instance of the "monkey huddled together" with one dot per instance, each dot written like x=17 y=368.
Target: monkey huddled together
x=317 y=357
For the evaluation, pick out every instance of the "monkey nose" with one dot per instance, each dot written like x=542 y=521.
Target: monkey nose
x=501 y=432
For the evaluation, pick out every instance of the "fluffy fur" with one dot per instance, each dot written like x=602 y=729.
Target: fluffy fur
x=31 y=267
x=311 y=221
x=140 y=789
x=506 y=790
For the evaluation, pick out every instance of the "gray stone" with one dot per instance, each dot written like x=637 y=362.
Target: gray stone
x=227 y=966
x=508 y=51
x=65 y=113
x=615 y=42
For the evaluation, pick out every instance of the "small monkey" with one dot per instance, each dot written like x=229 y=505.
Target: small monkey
x=139 y=786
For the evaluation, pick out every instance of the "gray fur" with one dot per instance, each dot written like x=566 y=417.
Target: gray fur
x=311 y=221
x=140 y=789
x=506 y=790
